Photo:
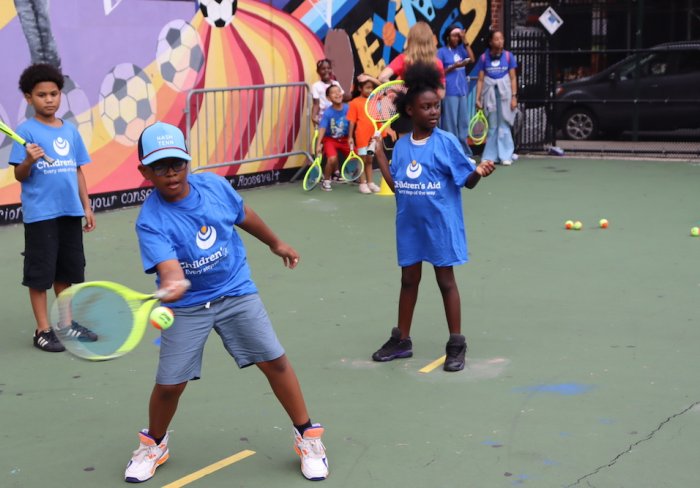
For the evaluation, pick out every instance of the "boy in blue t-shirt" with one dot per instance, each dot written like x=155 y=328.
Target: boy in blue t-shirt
x=333 y=131
x=54 y=200
x=186 y=231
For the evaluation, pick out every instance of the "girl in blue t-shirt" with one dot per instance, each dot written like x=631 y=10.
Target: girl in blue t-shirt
x=497 y=95
x=455 y=55
x=427 y=173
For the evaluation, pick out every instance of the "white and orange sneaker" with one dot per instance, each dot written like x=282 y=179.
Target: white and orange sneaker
x=146 y=458
x=312 y=452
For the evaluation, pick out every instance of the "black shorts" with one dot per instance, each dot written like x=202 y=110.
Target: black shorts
x=53 y=252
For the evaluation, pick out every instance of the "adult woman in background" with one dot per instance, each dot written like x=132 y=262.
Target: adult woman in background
x=497 y=95
x=420 y=47
x=455 y=55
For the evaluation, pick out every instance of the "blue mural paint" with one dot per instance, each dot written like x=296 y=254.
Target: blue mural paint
x=566 y=389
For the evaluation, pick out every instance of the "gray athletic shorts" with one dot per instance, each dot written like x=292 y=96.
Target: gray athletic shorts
x=241 y=322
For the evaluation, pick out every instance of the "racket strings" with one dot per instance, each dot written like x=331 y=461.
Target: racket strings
x=381 y=105
x=104 y=312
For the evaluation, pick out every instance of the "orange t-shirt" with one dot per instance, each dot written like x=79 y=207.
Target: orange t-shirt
x=364 y=130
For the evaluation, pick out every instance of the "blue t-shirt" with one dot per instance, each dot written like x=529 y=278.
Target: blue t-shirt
x=198 y=232
x=428 y=181
x=498 y=67
x=455 y=80
x=51 y=190
x=335 y=122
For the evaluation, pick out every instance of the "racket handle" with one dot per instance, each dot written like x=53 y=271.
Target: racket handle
x=373 y=144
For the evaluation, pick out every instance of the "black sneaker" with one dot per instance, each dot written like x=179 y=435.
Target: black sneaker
x=455 y=351
x=77 y=331
x=394 y=348
x=47 y=341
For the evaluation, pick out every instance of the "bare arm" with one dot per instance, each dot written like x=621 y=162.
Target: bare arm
x=479 y=88
x=85 y=201
x=24 y=169
x=469 y=52
x=171 y=279
x=483 y=170
x=385 y=75
x=319 y=141
x=383 y=161
x=315 y=107
x=351 y=135
x=254 y=225
x=513 y=89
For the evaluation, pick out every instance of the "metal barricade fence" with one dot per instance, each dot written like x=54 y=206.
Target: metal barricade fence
x=247 y=124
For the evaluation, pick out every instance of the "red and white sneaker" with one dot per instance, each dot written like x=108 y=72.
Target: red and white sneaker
x=146 y=458
x=312 y=452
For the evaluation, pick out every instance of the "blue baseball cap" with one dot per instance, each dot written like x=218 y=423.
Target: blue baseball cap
x=160 y=141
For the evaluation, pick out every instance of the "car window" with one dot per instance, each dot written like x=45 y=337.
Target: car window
x=650 y=65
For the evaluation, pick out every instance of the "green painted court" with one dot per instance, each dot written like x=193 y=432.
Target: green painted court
x=582 y=368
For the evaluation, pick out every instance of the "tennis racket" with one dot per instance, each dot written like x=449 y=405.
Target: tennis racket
x=478 y=127
x=117 y=314
x=313 y=174
x=380 y=107
x=5 y=129
x=353 y=167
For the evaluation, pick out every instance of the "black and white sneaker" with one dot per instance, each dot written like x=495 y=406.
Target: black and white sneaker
x=47 y=341
x=77 y=331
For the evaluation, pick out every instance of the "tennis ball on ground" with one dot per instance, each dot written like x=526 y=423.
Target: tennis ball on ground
x=695 y=231
x=578 y=225
x=569 y=224
x=603 y=223
x=162 y=318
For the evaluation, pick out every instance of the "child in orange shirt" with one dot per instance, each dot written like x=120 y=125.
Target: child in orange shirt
x=361 y=129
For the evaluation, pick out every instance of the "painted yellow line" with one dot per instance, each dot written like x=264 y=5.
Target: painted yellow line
x=433 y=365
x=210 y=469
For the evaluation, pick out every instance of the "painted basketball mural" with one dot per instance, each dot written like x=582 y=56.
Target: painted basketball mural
x=143 y=57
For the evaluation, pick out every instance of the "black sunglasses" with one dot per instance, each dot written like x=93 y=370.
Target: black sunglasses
x=162 y=168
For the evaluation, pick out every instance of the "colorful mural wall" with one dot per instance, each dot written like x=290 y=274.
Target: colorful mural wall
x=129 y=63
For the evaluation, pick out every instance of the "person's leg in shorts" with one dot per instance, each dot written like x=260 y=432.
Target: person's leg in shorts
x=248 y=336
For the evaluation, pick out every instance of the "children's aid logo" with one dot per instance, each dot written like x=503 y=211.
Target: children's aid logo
x=414 y=170
x=61 y=146
x=206 y=237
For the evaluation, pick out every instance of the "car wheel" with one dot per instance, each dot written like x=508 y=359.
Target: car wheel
x=580 y=125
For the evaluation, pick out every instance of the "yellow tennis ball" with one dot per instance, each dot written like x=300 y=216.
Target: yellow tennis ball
x=603 y=223
x=695 y=231
x=162 y=318
x=569 y=224
x=578 y=225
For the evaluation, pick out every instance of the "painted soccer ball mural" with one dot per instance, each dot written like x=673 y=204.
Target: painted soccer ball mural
x=127 y=103
x=218 y=13
x=180 y=55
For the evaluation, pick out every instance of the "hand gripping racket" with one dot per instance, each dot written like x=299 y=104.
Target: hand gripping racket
x=478 y=127
x=15 y=137
x=353 y=167
x=313 y=174
x=117 y=314
x=380 y=107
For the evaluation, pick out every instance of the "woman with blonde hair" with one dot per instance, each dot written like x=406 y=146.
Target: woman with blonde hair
x=421 y=46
